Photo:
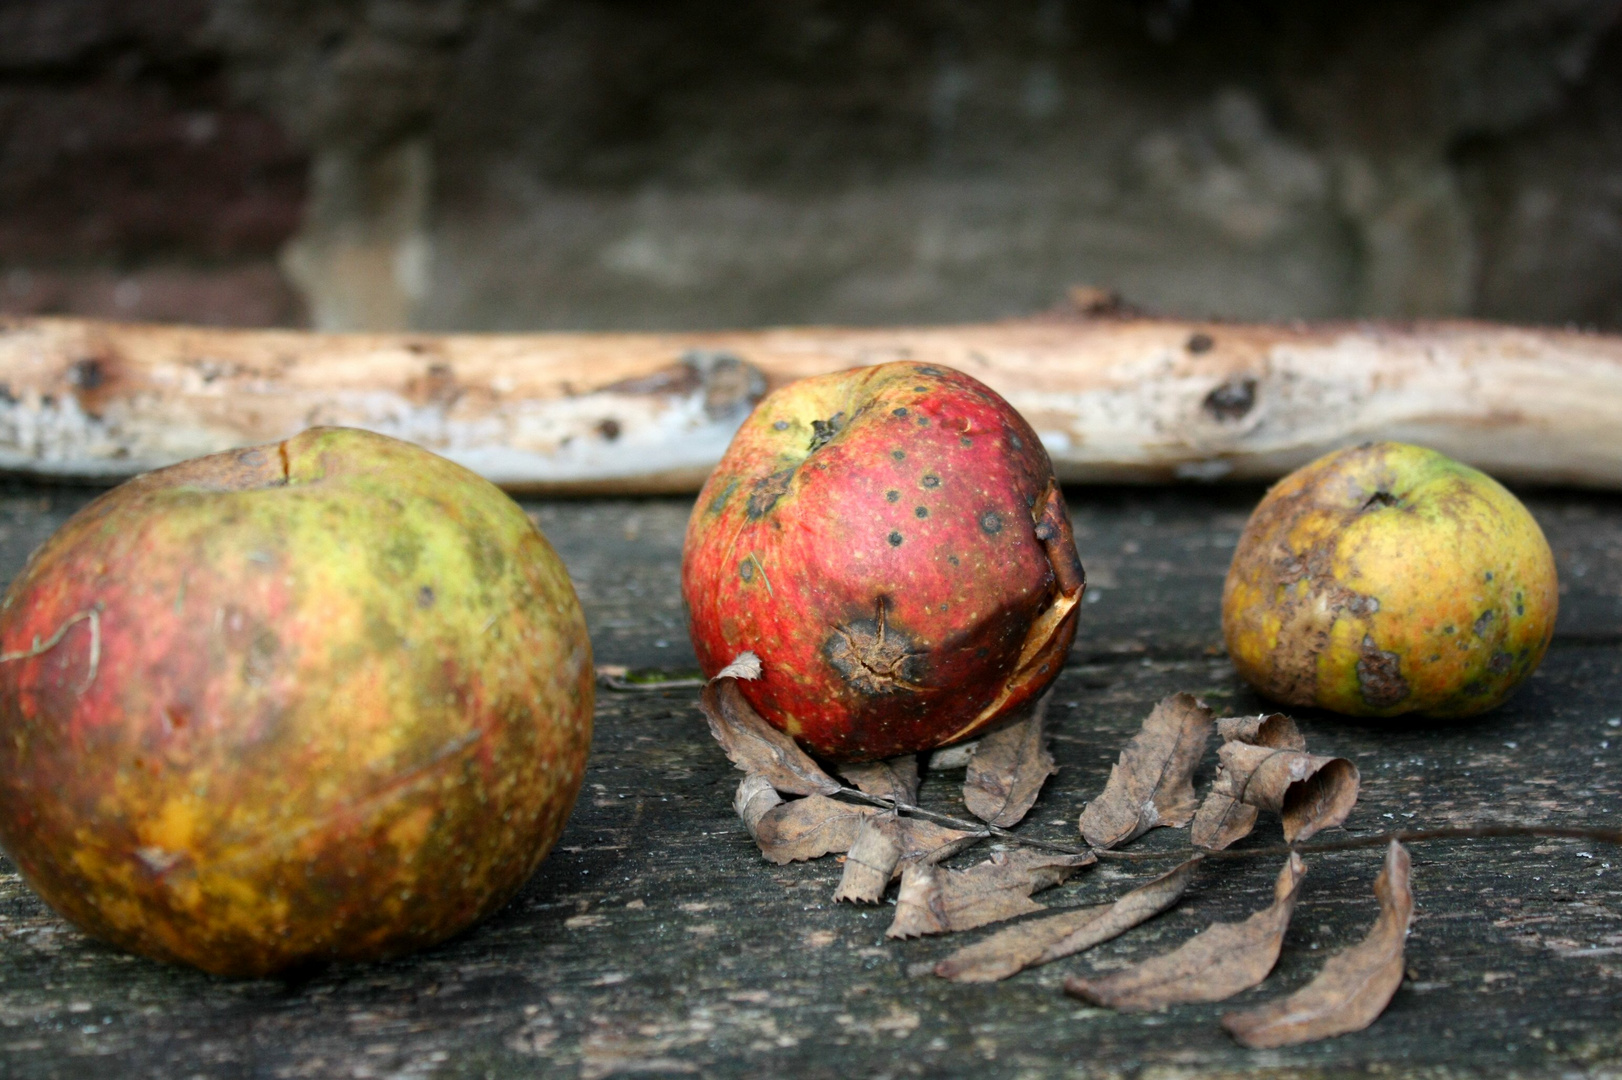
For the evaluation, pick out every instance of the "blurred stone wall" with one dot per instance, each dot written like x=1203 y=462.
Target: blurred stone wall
x=507 y=164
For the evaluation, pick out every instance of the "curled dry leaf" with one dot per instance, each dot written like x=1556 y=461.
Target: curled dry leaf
x=801 y=829
x=896 y=779
x=1009 y=768
x=1053 y=937
x=871 y=860
x=1215 y=964
x=758 y=748
x=1267 y=729
x=1222 y=819
x=1153 y=783
x=935 y=900
x=1310 y=792
x=746 y=665
x=1354 y=986
x=884 y=844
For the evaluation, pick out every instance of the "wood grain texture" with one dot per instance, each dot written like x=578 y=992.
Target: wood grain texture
x=656 y=941
x=1114 y=399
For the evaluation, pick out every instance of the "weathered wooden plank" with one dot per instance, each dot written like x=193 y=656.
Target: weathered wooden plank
x=656 y=940
x=1113 y=399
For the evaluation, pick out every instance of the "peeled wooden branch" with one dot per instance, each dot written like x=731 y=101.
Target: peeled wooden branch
x=1114 y=399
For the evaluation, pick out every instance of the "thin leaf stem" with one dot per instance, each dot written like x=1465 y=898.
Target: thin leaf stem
x=1377 y=840
x=964 y=824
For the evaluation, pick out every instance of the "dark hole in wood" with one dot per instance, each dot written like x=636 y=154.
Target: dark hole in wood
x=1232 y=400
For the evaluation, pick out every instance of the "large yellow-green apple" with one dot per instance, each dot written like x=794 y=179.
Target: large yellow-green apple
x=1386 y=579
x=890 y=541
x=327 y=699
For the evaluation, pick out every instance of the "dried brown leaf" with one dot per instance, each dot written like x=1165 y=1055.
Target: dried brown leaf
x=952 y=758
x=926 y=842
x=1222 y=819
x=1041 y=941
x=1268 y=729
x=1215 y=964
x=871 y=861
x=885 y=844
x=1009 y=768
x=1354 y=986
x=758 y=748
x=935 y=900
x=896 y=779
x=799 y=829
x=754 y=799
x=1153 y=783
x=1309 y=791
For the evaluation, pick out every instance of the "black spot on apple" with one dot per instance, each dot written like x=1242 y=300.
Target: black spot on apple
x=930 y=480
x=931 y=371
x=1483 y=624
x=964 y=440
x=781 y=425
x=899 y=455
x=1500 y=662
x=425 y=597
x=920 y=511
x=991 y=523
x=898 y=412
x=892 y=495
x=1199 y=343
x=722 y=496
x=768 y=490
x=746 y=569
x=895 y=539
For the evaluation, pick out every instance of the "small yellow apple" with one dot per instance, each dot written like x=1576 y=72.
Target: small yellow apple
x=1386 y=579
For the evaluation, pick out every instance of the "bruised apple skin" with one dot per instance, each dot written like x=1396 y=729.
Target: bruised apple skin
x=890 y=541
x=1386 y=579
x=328 y=699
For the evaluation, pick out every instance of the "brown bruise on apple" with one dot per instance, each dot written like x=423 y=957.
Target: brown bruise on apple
x=890 y=541
x=1387 y=579
x=341 y=706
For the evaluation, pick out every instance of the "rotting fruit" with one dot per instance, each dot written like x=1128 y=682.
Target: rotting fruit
x=328 y=699
x=892 y=544
x=1386 y=579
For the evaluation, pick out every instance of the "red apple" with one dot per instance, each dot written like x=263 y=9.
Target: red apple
x=892 y=544
x=324 y=699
